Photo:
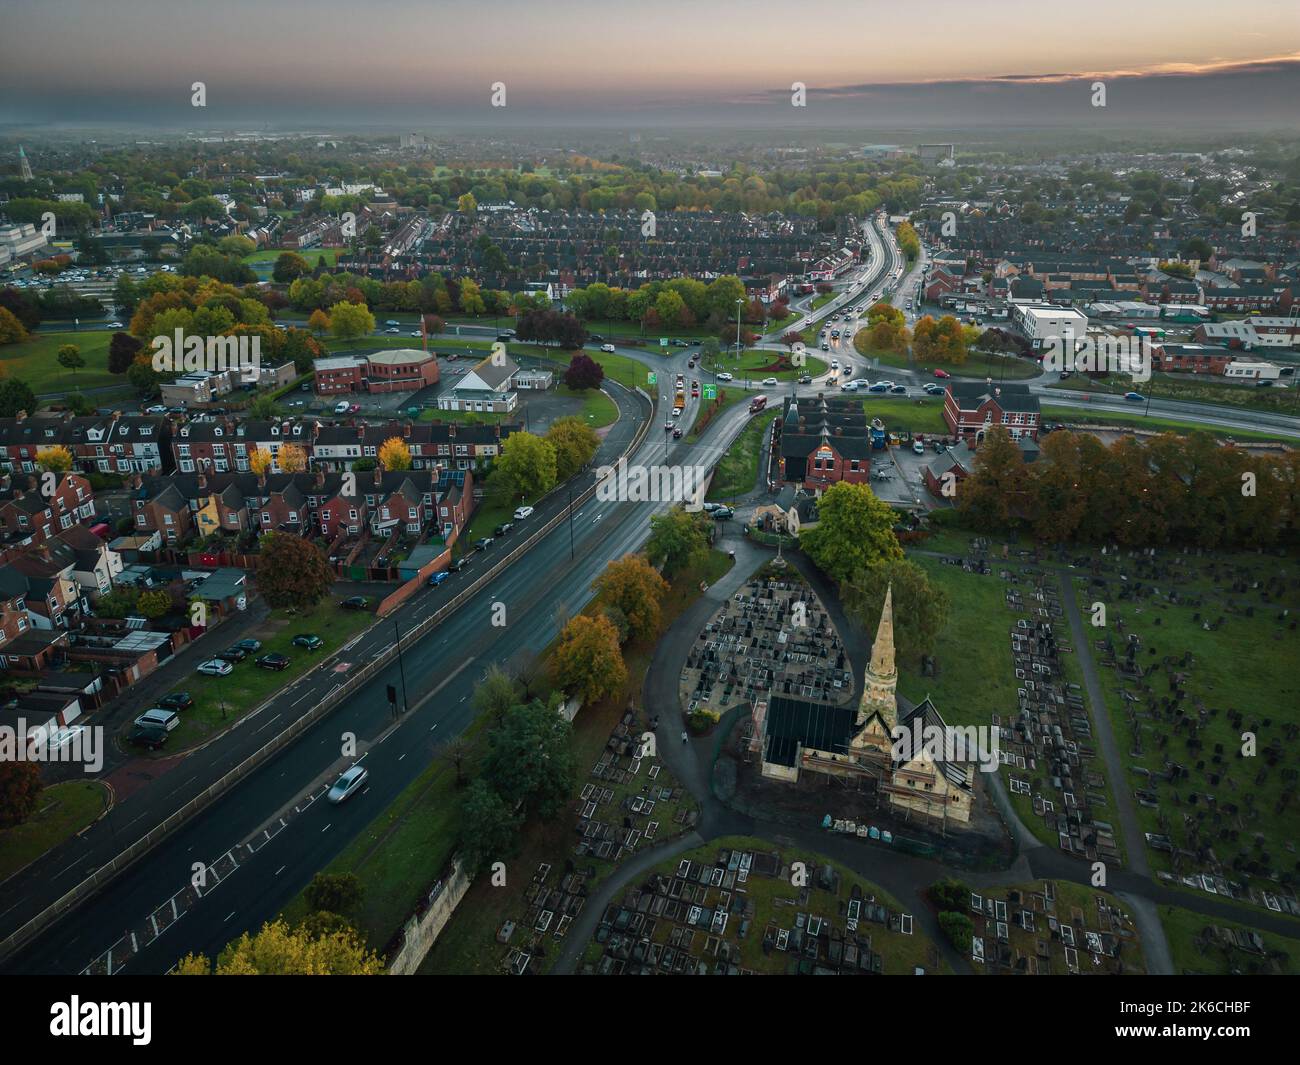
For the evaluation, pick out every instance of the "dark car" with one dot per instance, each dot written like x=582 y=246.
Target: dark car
x=436 y=579
x=251 y=646
x=233 y=654
x=356 y=602
x=458 y=564
x=677 y=434
x=595 y=338
x=503 y=528
x=176 y=701
x=151 y=736
x=308 y=640
x=273 y=661
x=483 y=544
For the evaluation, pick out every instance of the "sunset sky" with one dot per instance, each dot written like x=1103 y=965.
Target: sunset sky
x=397 y=61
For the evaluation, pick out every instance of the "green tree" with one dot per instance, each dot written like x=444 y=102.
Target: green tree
x=575 y=443
x=20 y=787
x=335 y=892
x=289 y=266
x=292 y=573
x=920 y=608
x=854 y=529
x=495 y=693
x=489 y=829
x=678 y=539
x=526 y=466
x=349 y=321
x=15 y=396
x=530 y=761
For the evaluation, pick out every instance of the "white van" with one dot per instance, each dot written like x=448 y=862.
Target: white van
x=159 y=718
x=342 y=407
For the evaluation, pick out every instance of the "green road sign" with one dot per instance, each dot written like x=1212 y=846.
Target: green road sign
x=710 y=391
x=650 y=377
x=663 y=342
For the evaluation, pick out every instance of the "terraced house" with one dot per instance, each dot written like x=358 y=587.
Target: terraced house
x=115 y=443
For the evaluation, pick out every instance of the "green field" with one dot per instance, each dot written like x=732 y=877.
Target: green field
x=1279 y=397
x=977 y=364
x=269 y=255
x=906 y=414
x=756 y=364
x=218 y=701
x=1075 y=416
x=737 y=471
x=62 y=810
x=1195 y=954
x=35 y=361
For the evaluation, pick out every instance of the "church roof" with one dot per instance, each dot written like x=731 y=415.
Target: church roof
x=791 y=722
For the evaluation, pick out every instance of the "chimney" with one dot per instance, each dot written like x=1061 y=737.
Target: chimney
x=379 y=475
x=202 y=482
x=406 y=429
x=320 y=477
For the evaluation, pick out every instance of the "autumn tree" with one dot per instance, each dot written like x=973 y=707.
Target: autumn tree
x=394 y=454
x=587 y=661
x=318 y=322
x=291 y=458
x=854 y=529
x=20 y=786
x=292 y=573
x=11 y=329
x=994 y=497
x=278 y=950
x=350 y=321
x=153 y=604
x=260 y=461
x=56 y=458
x=526 y=466
x=122 y=350
x=678 y=539
x=583 y=372
x=575 y=443
x=633 y=586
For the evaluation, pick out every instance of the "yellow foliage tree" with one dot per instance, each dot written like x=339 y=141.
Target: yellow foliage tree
x=319 y=322
x=278 y=950
x=56 y=458
x=635 y=587
x=587 y=660
x=394 y=454
x=291 y=458
x=260 y=461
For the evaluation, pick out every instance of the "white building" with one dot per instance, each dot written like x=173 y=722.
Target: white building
x=1239 y=370
x=1043 y=323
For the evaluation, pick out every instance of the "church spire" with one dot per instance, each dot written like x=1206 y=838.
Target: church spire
x=880 y=684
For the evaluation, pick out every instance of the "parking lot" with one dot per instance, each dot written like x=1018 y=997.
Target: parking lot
x=905 y=486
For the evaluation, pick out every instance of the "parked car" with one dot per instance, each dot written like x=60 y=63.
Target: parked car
x=769 y=381
x=724 y=377
x=176 y=701
x=308 y=640
x=273 y=661
x=918 y=447
x=348 y=784
x=355 y=602
x=251 y=646
x=216 y=667
x=150 y=736
x=341 y=407
x=233 y=654
x=436 y=579
x=523 y=512
x=158 y=718
x=458 y=564
x=723 y=514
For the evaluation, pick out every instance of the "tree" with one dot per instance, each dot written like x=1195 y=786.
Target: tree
x=920 y=608
x=153 y=604
x=260 y=460
x=993 y=497
x=289 y=266
x=394 y=454
x=854 y=529
x=348 y=321
x=56 y=458
x=495 y=693
x=526 y=466
x=587 y=661
x=292 y=573
x=677 y=539
x=122 y=350
x=471 y=298
x=291 y=458
x=278 y=950
x=530 y=761
x=489 y=830
x=633 y=586
x=335 y=892
x=11 y=329
x=467 y=204
x=20 y=787
x=264 y=408
x=949 y=894
x=15 y=396
x=958 y=928
x=583 y=372
x=575 y=443
x=319 y=322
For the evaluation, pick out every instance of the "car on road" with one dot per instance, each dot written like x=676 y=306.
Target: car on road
x=503 y=528
x=158 y=718
x=341 y=407
x=392 y=321
x=724 y=377
x=607 y=347
x=308 y=640
x=114 y=325
x=251 y=646
x=677 y=433
x=899 y=390
x=669 y=426
x=355 y=602
x=348 y=784
x=483 y=543
x=150 y=736
x=523 y=512
x=176 y=701
x=679 y=344
x=879 y=386
x=825 y=346
x=273 y=661
x=849 y=386
x=941 y=374
x=233 y=654
x=806 y=379
x=769 y=381
x=723 y=514
x=934 y=390
x=436 y=579
x=416 y=333
x=216 y=667
x=393 y=330
x=835 y=364
x=677 y=412
x=1135 y=397
x=458 y=564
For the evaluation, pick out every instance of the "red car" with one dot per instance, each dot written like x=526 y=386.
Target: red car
x=942 y=373
x=355 y=408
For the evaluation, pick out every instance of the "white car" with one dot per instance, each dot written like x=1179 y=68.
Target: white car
x=215 y=667
x=769 y=380
x=348 y=784
x=607 y=347
x=157 y=408
x=724 y=377
x=342 y=407
x=835 y=364
x=522 y=512
x=114 y=325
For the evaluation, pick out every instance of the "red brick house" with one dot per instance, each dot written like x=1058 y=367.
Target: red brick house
x=971 y=408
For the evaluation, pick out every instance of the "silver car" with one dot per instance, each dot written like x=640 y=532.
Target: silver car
x=348 y=784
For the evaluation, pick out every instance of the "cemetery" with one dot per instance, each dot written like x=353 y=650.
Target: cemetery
x=774 y=636
x=1052 y=928
x=1198 y=654
x=742 y=906
x=1213 y=946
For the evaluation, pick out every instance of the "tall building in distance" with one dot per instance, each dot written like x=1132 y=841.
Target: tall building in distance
x=24 y=167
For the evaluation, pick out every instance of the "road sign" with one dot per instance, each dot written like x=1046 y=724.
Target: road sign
x=663 y=342
x=710 y=391
x=650 y=377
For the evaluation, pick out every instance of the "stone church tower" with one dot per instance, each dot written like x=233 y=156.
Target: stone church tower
x=879 y=686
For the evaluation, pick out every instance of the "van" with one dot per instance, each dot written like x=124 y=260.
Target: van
x=341 y=407
x=159 y=718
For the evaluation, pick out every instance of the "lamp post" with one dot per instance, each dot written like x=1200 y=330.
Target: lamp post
x=401 y=666
x=571 y=552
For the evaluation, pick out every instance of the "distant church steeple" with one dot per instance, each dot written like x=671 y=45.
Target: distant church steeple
x=879 y=686
x=24 y=167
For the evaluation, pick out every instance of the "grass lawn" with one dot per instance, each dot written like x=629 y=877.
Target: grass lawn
x=269 y=255
x=775 y=903
x=35 y=361
x=903 y=413
x=737 y=470
x=62 y=810
x=756 y=364
x=727 y=397
x=592 y=405
x=1074 y=416
x=1183 y=928
x=1189 y=387
x=250 y=685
